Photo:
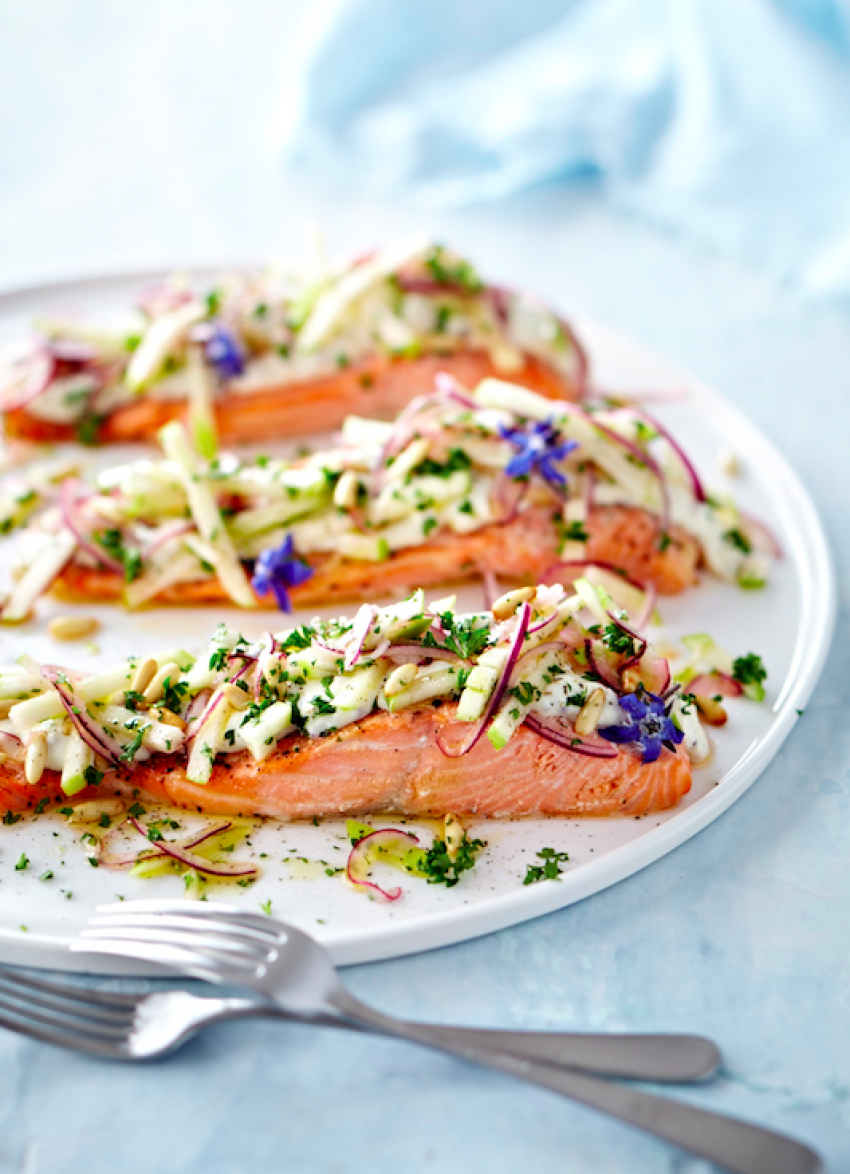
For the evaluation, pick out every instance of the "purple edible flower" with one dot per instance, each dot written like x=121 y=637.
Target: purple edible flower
x=647 y=722
x=224 y=352
x=539 y=447
x=278 y=568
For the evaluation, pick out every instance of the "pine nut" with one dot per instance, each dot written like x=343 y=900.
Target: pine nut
x=145 y=673
x=453 y=835
x=235 y=697
x=506 y=604
x=72 y=627
x=156 y=688
x=168 y=718
x=711 y=710
x=36 y=759
x=347 y=490
x=399 y=679
x=631 y=678
x=590 y=713
x=3 y=757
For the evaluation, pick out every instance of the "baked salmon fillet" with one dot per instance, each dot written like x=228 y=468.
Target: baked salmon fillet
x=273 y=354
x=549 y=704
x=492 y=482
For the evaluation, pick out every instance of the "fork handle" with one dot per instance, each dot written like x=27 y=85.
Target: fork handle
x=729 y=1142
x=635 y=1057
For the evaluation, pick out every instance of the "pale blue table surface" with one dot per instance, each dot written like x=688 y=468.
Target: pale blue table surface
x=741 y=934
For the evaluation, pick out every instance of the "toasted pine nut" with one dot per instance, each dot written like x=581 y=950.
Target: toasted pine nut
x=144 y=674
x=3 y=757
x=72 y=627
x=235 y=697
x=36 y=759
x=575 y=510
x=347 y=490
x=169 y=671
x=631 y=679
x=408 y=459
x=711 y=710
x=507 y=604
x=168 y=718
x=728 y=462
x=399 y=679
x=590 y=713
x=453 y=834
x=91 y=812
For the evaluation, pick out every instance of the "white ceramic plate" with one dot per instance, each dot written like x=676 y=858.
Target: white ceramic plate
x=789 y=625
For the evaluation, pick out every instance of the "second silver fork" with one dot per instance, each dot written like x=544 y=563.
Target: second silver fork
x=289 y=969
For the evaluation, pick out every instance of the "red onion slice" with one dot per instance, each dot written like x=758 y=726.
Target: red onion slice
x=190 y=841
x=360 y=630
x=167 y=534
x=41 y=368
x=198 y=863
x=489 y=588
x=644 y=458
x=213 y=701
x=597 y=662
x=649 y=600
x=693 y=476
x=762 y=539
x=655 y=672
x=555 y=731
x=96 y=737
x=477 y=728
x=68 y=503
x=357 y=866
x=710 y=684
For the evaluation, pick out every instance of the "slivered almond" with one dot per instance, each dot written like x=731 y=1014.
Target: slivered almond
x=590 y=713
x=506 y=604
x=144 y=674
x=36 y=759
x=711 y=710
x=399 y=679
x=72 y=627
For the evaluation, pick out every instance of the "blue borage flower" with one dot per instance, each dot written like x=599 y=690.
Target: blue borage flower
x=539 y=447
x=648 y=723
x=224 y=352
x=278 y=568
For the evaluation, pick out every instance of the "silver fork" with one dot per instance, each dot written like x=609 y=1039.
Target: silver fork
x=289 y=970
x=123 y=1026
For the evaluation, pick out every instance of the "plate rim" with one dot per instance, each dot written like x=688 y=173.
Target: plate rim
x=818 y=610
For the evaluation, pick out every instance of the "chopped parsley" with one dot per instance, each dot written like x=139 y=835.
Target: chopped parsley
x=130 y=558
x=750 y=671
x=461 y=635
x=11 y=817
x=738 y=539
x=618 y=640
x=458 y=273
x=23 y=863
x=550 y=869
x=439 y=868
x=575 y=532
x=455 y=461
x=93 y=776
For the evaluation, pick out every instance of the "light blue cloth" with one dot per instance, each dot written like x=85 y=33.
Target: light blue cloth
x=726 y=119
